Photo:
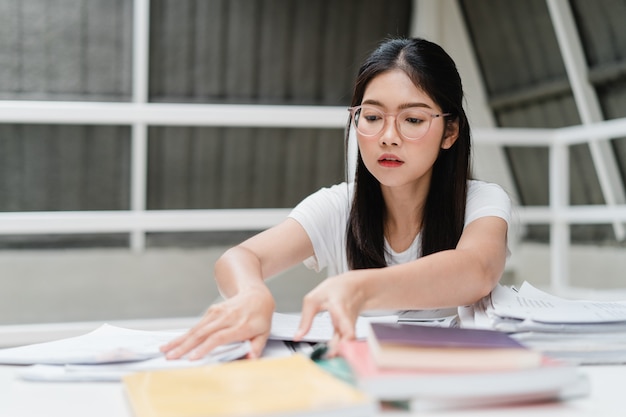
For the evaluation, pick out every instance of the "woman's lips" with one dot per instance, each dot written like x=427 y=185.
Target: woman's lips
x=390 y=161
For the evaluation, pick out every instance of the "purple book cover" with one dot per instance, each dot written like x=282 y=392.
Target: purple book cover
x=428 y=336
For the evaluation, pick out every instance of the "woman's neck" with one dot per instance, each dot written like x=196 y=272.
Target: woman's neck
x=404 y=212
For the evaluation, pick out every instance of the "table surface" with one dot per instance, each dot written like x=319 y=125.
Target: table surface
x=107 y=399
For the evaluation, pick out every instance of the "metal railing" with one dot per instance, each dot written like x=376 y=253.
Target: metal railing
x=138 y=221
x=140 y=114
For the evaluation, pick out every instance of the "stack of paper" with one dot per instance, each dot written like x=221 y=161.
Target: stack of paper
x=106 y=354
x=577 y=331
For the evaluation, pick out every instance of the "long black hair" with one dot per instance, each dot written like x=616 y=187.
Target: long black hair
x=433 y=71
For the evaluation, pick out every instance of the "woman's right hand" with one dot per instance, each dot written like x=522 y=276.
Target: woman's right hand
x=245 y=316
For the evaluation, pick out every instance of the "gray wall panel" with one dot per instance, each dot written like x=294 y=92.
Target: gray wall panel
x=240 y=167
x=61 y=167
x=65 y=49
x=201 y=51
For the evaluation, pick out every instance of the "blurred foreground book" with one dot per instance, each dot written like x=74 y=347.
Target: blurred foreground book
x=288 y=386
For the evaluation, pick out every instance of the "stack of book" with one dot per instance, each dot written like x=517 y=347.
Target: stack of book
x=422 y=367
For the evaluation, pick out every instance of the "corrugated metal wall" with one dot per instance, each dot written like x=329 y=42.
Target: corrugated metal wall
x=527 y=85
x=256 y=52
x=65 y=50
x=265 y=52
x=270 y=52
x=290 y=52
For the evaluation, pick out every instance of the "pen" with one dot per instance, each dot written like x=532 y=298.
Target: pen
x=319 y=351
x=337 y=366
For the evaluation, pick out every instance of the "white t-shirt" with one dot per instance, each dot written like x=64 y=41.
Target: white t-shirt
x=324 y=216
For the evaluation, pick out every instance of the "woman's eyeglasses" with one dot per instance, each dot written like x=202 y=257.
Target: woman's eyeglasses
x=412 y=123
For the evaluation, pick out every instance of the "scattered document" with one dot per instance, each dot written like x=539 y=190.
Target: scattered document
x=110 y=352
x=106 y=344
x=284 y=326
x=107 y=354
x=115 y=371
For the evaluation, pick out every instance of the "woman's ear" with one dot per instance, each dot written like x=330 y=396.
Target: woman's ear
x=451 y=134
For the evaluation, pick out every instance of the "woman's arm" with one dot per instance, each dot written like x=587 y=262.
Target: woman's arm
x=246 y=312
x=444 y=279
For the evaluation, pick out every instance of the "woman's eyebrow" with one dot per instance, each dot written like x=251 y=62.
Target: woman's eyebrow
x=401 y=107
x=410 y=105
x=372 y=102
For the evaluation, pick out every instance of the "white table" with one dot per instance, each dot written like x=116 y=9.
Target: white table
x=37 y=399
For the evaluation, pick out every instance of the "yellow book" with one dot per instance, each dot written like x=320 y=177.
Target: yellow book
x=287 y=386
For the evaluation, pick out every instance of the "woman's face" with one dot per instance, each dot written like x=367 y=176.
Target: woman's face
x=393 y=159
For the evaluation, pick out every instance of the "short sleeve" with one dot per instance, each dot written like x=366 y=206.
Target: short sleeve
x=487 y=199
x=323 y=215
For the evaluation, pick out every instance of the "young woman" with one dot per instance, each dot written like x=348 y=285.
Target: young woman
x=412 y=231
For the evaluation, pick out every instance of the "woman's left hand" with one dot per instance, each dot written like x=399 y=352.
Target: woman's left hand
x=342 y=298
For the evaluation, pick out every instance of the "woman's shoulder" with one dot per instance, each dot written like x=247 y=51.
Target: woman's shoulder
x=486 y=199
x=476 y=187
x=341 y=191
x=334 y=197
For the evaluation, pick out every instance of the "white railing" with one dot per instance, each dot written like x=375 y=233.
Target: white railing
x=139 y=114
x=138 y=221
x=559 y=214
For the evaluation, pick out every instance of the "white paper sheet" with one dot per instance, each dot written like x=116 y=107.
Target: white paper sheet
x=106 y=344
x=115 y=371
x=551 y=309
x=284 y=326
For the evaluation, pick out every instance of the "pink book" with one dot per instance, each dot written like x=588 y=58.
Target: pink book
x=550 y=380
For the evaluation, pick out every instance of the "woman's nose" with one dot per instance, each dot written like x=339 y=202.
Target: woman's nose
x=390 y=134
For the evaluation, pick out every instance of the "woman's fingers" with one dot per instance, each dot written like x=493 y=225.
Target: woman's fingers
x=344 y=324
x=175 y=343
x=309 y=309
x=257 y=344
x=344 y=329
x=191 y=342
x=233 y=320
x=215 y=339
x=214 y=320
